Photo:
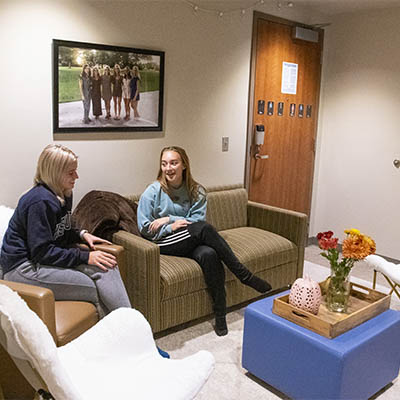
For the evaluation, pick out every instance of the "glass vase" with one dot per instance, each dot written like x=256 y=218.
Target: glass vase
x=338 y=292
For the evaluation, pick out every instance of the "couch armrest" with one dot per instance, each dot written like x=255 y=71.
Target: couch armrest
x=40 y=300
x=290 y=224
x=118 y=252
x=142 y=282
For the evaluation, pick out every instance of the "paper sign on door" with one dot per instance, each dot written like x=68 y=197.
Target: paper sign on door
x=289 y=78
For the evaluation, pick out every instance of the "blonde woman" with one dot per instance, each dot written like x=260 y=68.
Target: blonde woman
x=135 y=91
x=106 y=90
x=172 y=213
x=126 y=93
x=37 y=247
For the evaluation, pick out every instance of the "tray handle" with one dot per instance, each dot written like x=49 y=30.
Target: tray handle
x=361 y=289
x=297 y=313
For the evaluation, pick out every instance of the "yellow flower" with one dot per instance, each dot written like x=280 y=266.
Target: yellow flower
x=371 y=244
x=353 y=231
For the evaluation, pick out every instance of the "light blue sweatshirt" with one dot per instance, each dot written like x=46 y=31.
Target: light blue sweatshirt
x=155 y=203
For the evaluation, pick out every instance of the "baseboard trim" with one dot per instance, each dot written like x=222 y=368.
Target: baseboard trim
x=313 y=241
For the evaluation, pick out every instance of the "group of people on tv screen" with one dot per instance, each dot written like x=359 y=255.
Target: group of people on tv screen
x=117 y=84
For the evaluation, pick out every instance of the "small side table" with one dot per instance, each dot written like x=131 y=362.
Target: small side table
x=305 y=365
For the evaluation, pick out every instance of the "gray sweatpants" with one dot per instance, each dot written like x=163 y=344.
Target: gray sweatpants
x=104 y=289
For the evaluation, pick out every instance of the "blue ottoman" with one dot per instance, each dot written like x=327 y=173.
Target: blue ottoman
x=305 y=365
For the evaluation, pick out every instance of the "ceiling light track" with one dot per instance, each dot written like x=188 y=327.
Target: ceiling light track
x=220 y=13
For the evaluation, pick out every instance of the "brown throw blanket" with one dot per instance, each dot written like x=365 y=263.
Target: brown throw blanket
x=104 y=213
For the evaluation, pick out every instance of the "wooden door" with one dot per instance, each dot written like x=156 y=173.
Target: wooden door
x=284 y=179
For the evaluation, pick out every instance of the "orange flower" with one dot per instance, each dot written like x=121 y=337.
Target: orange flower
x=358 y=246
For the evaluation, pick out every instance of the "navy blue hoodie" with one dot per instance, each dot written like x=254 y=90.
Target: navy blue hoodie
x=40 y=231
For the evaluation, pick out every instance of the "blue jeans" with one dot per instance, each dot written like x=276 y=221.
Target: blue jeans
x=104 y=289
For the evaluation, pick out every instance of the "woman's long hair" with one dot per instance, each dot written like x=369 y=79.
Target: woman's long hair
x=117 y=70
x=193 y=188
x=83 y=73
x=54 y=160
x=96 y=70
x=135 y=72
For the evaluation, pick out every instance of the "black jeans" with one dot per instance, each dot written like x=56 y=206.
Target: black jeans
x=206 y=246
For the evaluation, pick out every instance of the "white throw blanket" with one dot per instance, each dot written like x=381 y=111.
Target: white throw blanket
x=115 y=359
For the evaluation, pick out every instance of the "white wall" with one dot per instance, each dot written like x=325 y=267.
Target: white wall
x=206 y=97
x=206 y=89
x=356 y=184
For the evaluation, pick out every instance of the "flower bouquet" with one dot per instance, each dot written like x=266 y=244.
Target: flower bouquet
x=355 y=247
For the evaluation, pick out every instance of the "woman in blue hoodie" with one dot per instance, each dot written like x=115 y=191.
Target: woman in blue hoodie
x=172 y=213
x=39 y=244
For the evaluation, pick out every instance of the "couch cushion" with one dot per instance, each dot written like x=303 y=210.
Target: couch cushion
x=179 y=276
x=259 y=250
x=227 y=209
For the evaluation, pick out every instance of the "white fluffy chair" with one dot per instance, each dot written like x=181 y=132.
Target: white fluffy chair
x=115 y=359
x=389 y=270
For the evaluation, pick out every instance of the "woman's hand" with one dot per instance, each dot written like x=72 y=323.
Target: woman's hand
x=158 y=223
x=91 y=240
x=102 y=259
x=179 y=223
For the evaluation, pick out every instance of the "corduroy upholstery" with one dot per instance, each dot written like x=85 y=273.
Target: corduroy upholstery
x=171 y=290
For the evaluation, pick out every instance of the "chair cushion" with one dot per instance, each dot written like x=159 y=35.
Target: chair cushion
x=258 y=249
x=72 y=319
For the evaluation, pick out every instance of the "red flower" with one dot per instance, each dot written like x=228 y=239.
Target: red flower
x=325 y=235
x=328 y=243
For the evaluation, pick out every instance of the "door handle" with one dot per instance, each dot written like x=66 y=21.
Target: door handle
x=257 y=154
x=396 y=163
x=258 y=142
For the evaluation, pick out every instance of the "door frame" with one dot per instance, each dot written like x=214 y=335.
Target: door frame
x=257 y=15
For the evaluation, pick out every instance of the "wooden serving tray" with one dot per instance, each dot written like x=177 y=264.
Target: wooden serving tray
x=364 y=304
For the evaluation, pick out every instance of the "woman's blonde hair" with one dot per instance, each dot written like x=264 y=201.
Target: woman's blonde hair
x=135 y=71
x=54 y=160
x=193 y=188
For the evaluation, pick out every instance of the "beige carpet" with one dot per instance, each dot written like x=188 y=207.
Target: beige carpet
x=230 y=381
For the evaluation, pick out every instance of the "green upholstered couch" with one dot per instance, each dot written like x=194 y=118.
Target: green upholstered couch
x=171 y=290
